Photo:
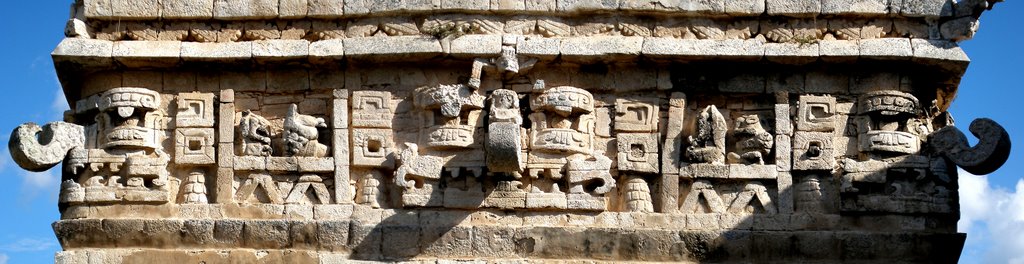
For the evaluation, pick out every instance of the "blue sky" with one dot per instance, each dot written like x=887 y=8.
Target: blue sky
x=993 y=205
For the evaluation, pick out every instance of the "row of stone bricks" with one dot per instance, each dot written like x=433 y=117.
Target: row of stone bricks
x=102 y=53
x=395 y=241
x=427 y=217
x=321 y=81
x=293 y=9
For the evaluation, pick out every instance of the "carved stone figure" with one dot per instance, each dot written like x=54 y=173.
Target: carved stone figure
x=457 y=115
x=638 y=196
x=708 y=143
x=195 y=188
x=411 y=163
x=301 y=133
x=255 y=131
x=37 y=148
x=992 y=150
x=338 y=131
x=504 y=136
x=753 y=141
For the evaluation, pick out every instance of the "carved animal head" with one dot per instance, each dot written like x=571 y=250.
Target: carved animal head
x=410 y=152
x=748 y=125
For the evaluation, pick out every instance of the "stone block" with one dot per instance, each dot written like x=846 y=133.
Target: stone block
x=743 y=83
x=636 y=115
x=959 y=29
x=291 y=9
x=939 y=50
x=744 y=7
x=149 y=79
x=446 y=241
x=585 y=5
x=279 y=50
x=816 y=113
x=476 y=46
x=332 y=211
x=784 y=184
x=342 y=148
x=750 y=49
x=838 y=50
x=540 y=5
x=186 y=9
x=495 y=241
x=405 y=47
x=225 y=122
x=230 y=51
x=508 y=5
x=287 y=80
x=860 y=7
x=926 y=8
x=266 y=233
x=638 y=152
x=372 y=147
x=282 y=164
x=737 y=221
x=136 y=9
x=772 y=222
x=826 y=83
x=874 y=81
x=703 y=221
x=194 y=146
x=100 y=9
x=141 y=54
x=333 y=234
x=813 y=151
x=84 y=52
x=179 y=81
x=298 y=211
x=225 y=158
x=539 y=47
x=478 y=5
x=194 y=110
x=601 y=46
x=326 y=51
x=791 y=53
x=793 y=8
x=325 y=8
x=783 y=152
x=245 y=9
x=737 y=171
x=886 y=48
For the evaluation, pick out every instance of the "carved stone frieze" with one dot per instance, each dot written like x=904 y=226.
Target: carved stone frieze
x=328 y=131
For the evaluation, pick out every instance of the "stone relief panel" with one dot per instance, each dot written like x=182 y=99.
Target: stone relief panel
x=416 y=140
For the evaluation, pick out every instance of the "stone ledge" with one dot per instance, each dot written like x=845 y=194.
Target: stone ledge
x=356 y=240
x=103 y=53
x=330 y=9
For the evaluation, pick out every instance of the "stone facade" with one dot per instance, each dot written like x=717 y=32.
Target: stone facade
x=331 y=131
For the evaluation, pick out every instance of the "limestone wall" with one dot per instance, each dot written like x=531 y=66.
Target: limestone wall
x=506 y=131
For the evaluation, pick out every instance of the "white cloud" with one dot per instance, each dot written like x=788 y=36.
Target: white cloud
x=992 y=218
x=3 y=259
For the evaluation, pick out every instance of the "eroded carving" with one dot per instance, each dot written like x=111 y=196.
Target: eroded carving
x=301 y=133
x=707 y=145
x=992 y=150
x=753 y=141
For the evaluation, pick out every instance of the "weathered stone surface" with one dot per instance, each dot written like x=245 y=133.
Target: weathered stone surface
x=437 y=131
x=186 y=9
x=245 y=9
x=147 y=53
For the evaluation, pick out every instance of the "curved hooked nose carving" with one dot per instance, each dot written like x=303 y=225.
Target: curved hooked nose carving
x=38 y=149
x=991 y=152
